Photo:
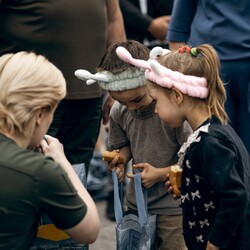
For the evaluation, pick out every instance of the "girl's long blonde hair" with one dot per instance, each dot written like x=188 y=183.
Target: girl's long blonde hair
x=28 y=82
x=205 y=64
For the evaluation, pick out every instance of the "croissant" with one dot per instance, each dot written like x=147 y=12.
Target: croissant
x=110 y=155
x=175 y=175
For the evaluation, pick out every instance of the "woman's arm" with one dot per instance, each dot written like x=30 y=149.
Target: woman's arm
x=88 y=229
x=116 y=31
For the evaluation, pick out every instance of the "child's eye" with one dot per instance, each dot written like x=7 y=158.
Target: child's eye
x=138 y=100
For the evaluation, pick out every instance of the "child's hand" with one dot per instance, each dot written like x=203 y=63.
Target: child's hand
x=170 y=188
x=115 y=166
x=114 y=163
x=109 y=156
x=120 y=172
x=150 y=175
x=210 y=246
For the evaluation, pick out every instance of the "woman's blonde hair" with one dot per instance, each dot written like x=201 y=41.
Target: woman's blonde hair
x=28 y=82
x=204 y=63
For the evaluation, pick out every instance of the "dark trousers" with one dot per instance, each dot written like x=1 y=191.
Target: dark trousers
x=76 y=124
x=236 y=76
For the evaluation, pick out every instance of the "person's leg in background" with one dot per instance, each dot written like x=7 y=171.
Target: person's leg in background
x=110 y=211
x=101 y=145
x=98 y=173
x=76 y=124
x=242 y=78
x=236 y=76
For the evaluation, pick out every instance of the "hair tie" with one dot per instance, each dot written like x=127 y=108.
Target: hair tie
x=194 y=52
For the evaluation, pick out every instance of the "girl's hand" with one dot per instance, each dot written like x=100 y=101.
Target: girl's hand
x=169 y=187
x=210 y=246
x=150 y=175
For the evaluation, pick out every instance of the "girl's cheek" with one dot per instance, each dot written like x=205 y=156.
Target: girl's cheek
x=156 y=109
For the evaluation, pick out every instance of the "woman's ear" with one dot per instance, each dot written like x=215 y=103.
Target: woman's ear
x=176 y=96
x=39 y=116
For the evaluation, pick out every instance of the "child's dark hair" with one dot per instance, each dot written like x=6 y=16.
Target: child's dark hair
x=205 y=64
x=111 y=62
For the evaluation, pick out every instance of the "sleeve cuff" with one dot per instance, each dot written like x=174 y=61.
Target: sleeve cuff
x=173 y=36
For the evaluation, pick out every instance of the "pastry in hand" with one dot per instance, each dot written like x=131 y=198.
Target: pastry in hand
x=175 y=179
x=110 y=155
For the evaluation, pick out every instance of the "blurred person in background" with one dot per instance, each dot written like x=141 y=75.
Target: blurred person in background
x=147 y=20
x=72 y=35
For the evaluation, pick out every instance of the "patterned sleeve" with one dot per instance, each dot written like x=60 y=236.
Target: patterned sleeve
x=223 y=171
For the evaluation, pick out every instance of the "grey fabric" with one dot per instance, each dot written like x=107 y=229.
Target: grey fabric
x=151 y=141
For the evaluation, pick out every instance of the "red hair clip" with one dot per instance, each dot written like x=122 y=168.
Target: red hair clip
x=184 y=48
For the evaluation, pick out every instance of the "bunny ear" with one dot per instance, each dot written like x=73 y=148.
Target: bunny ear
x=158 y=51
x=83 y=74
x=90 y=81
x=125 y=56
x=90 y=78
x=157 y=68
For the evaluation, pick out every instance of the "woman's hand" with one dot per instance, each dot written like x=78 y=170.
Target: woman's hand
x=52 y=147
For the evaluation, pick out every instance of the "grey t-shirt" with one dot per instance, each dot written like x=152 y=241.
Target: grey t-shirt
x=151 y=141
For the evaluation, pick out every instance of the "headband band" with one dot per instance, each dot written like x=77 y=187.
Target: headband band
x=190 y=85
x=126 y=80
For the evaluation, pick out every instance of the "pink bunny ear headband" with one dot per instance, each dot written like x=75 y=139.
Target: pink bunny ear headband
x=190 y=85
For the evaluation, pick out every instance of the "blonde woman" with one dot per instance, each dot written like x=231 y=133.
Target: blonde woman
x=31 y=182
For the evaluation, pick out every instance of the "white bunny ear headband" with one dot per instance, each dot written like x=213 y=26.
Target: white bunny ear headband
x=190 y=85
x=129 y=79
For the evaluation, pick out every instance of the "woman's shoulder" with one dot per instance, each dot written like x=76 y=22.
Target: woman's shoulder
x=21 y=163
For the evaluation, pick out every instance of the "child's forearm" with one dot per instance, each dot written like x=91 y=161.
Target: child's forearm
x=163 y=172
x=125 y=153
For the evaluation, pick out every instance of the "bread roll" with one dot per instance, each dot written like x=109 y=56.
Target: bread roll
x=175 y=179
x=110 y=155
